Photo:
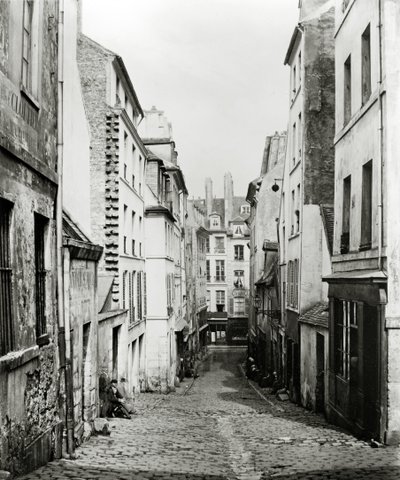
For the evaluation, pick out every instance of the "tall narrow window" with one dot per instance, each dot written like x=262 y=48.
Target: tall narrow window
x=220 y=300
x=133 y=234
x=294 y=144
x=345 y=238
x=299 y=136
x=117 y=97
x=347 y=90
x=239 y=252
x=219 y=245
x=139 y=296
x=6 y=320
x=208 y=270
x=220 y=271
x=292 y=209
x=40 y=275
x=297 y=210
x=366 y=64
x=125 y=239
x=299 y=65
x=366 y=207
x=294 y=80
x=27 y=45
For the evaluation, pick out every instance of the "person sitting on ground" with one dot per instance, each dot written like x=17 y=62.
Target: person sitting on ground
x=123 y=391
x=115 y=404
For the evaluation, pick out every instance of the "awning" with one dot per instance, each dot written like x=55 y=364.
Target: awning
x=357 y=276
x=180 y=325
x=203 y=327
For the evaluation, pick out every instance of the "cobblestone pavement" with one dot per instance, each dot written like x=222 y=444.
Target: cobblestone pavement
x=223 y=429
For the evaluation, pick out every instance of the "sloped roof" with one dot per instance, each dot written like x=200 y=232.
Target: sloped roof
x=71 y=229
x=318 y=315
x=328 y=220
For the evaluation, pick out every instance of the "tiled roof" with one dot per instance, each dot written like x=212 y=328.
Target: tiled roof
x=328 y=219
x=318 y=315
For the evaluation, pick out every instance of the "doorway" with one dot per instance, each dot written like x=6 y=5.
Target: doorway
x=320 y=380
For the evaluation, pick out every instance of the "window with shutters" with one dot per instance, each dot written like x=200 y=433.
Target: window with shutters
x=6 y=303
x=124 y=278
x=132 y=312
x=40 y=228
x=145 y=294
x=139 y=296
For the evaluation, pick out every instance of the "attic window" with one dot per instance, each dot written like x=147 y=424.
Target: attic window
x=245 y=209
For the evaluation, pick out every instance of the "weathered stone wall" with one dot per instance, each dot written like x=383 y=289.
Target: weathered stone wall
x=30 y=432
x=319 y=120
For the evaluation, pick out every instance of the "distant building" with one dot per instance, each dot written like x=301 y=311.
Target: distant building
x=30 y=426
x=364 y=298
x=166 y=206
x=117 y=177
x=308 y=182
x=197 y=239
x=266 y=332
x=227 y=267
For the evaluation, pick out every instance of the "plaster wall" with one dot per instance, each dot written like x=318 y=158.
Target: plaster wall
x=308 y=364
x=76 y=171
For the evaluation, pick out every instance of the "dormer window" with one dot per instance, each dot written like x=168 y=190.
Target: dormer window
x=215 y=221
x=245 y=210
x=238 y=230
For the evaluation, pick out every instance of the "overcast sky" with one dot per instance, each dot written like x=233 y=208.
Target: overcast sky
x=214 y=66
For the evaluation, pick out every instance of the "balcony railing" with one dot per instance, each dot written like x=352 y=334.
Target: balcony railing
x=219 y=250
x=219 y=278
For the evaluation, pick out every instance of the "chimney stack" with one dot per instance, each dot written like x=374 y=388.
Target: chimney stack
x=209 y=196
x=228 y=195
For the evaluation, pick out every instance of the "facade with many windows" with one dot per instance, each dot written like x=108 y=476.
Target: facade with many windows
x=227 y=263
x=28 y=189
x=165 y=216
x=117 y=176
x=364 y=286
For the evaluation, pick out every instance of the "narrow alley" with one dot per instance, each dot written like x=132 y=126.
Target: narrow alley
x=219 y=427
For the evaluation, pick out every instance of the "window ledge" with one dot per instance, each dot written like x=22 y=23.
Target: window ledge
x=30 y=98
x=14 y=360
x=295 y=235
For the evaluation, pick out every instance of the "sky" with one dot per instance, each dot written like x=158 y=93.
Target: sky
x=215 y=67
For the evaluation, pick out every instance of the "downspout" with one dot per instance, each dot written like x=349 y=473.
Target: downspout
x=380 y=143
x=65 y=364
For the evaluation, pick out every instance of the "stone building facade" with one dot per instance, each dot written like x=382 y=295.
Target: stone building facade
x=266 y=333
x=117 y=170
x=30 y=425
x=165 y=215
x=308 y=179
x=364 y=288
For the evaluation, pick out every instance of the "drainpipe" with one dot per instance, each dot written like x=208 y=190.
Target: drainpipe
x=63 y=329
x=380 y=143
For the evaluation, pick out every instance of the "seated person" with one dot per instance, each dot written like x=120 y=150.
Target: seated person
x=123 y=391
x=115 y=406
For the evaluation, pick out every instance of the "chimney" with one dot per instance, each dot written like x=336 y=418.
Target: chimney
x=228 y=195
x=79 y=17
x=209 y=196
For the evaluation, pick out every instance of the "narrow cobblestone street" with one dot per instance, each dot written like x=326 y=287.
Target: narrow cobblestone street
x=223 y=428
